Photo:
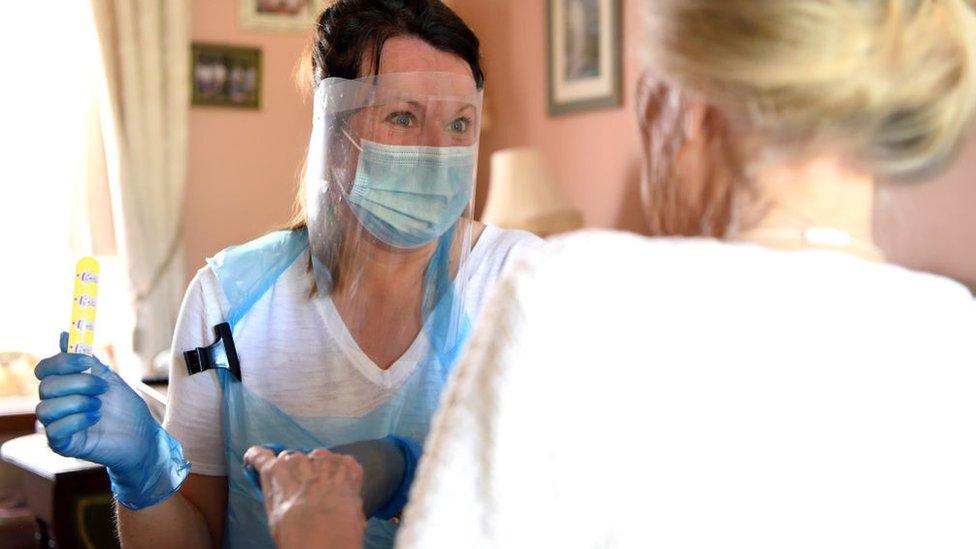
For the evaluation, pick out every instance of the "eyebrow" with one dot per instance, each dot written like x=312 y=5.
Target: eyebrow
x=419 y=105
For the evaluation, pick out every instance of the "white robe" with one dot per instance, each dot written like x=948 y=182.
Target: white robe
x=630 y=392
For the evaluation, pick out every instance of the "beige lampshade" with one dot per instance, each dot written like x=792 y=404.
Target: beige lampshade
x=524 y=196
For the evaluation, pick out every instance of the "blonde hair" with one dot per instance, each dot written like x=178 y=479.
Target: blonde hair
x=888 y=84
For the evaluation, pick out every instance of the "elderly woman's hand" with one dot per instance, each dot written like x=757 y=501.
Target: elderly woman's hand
x=313 y=500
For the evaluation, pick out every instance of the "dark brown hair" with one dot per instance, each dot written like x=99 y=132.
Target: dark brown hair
x=352 y=32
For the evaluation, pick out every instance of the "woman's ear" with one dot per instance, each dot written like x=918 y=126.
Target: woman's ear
x=689 y=173
x=695 y=113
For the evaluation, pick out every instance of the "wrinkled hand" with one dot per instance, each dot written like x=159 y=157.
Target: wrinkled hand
x=313 y=500
x=96 y=416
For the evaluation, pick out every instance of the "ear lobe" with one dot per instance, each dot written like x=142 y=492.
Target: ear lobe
x=694 y=119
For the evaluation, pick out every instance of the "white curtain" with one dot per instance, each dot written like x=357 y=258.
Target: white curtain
x=145 y=51
x=54 y=199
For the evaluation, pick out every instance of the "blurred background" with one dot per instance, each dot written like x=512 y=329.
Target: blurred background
x=153 y=134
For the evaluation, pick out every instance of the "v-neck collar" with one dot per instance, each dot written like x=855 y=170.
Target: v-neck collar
x=389 y=378
x=401 y=369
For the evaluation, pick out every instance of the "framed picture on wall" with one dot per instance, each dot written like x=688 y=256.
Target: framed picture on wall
x=280 y=15
x=225 y=76
x=584 y=55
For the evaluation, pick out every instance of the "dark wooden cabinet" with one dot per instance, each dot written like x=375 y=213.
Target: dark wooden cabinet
x=70 y=498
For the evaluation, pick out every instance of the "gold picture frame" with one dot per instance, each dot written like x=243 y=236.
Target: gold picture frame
x=225 y=76
x=280 y=15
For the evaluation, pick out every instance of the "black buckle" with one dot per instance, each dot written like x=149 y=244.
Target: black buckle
x=202 y=359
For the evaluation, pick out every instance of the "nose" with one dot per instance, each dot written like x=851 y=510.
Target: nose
x=436 y=133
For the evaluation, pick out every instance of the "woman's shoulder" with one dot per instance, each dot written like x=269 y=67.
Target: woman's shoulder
x=589 y=253
x=244 y=272
x=600 y=251
x=494 y=247
x=203 y=297
x=577 y=265
x=707 y=269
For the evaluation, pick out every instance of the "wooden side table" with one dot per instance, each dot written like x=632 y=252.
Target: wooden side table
x=70 y=497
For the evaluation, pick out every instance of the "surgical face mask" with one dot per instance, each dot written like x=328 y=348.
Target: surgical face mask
x=407 y=196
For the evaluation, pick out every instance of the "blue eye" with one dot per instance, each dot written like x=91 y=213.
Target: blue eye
x=460 y=125
x=403 y=119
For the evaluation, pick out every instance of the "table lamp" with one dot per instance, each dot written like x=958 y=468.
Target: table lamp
x=523 y=196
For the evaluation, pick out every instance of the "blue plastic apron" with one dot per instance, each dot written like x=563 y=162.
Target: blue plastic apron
x=245 y=274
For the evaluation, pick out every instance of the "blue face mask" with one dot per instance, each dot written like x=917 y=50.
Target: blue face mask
x=409 y=196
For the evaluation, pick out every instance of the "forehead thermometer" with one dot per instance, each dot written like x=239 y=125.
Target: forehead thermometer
x=81 y=335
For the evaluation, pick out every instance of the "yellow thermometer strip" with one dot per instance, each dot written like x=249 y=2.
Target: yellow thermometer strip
x=81 y=336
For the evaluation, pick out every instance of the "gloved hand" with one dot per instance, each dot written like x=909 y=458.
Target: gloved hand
x=96 y=416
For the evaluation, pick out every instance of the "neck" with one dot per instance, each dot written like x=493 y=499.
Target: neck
x=370 y=264
x=815 y=194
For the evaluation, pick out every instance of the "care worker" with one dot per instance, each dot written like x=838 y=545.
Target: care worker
x=773 y=382
x=338 y=332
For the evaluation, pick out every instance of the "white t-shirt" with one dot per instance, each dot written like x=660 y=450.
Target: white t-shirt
x=629 y=392
x=285 y=337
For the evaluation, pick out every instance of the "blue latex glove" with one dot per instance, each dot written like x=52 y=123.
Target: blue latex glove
x=96 y=416
x=411 y=450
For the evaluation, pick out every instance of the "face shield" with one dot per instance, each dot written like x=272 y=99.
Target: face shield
x=390 y=180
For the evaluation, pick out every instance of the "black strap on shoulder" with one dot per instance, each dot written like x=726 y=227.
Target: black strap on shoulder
x=222 y=353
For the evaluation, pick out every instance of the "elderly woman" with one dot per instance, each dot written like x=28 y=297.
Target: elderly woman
x=771 y=383
x=338 y=332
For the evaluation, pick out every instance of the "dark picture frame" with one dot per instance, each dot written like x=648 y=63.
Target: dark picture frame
x=225 y=76
x=584 y=69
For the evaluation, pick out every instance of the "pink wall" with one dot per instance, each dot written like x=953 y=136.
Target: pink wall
x=933 y=226
x=242 y=169
x=595 y=155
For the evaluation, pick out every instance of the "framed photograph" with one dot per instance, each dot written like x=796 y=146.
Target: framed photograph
x=280 y=15
x=226 y=76
x=584 y=55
